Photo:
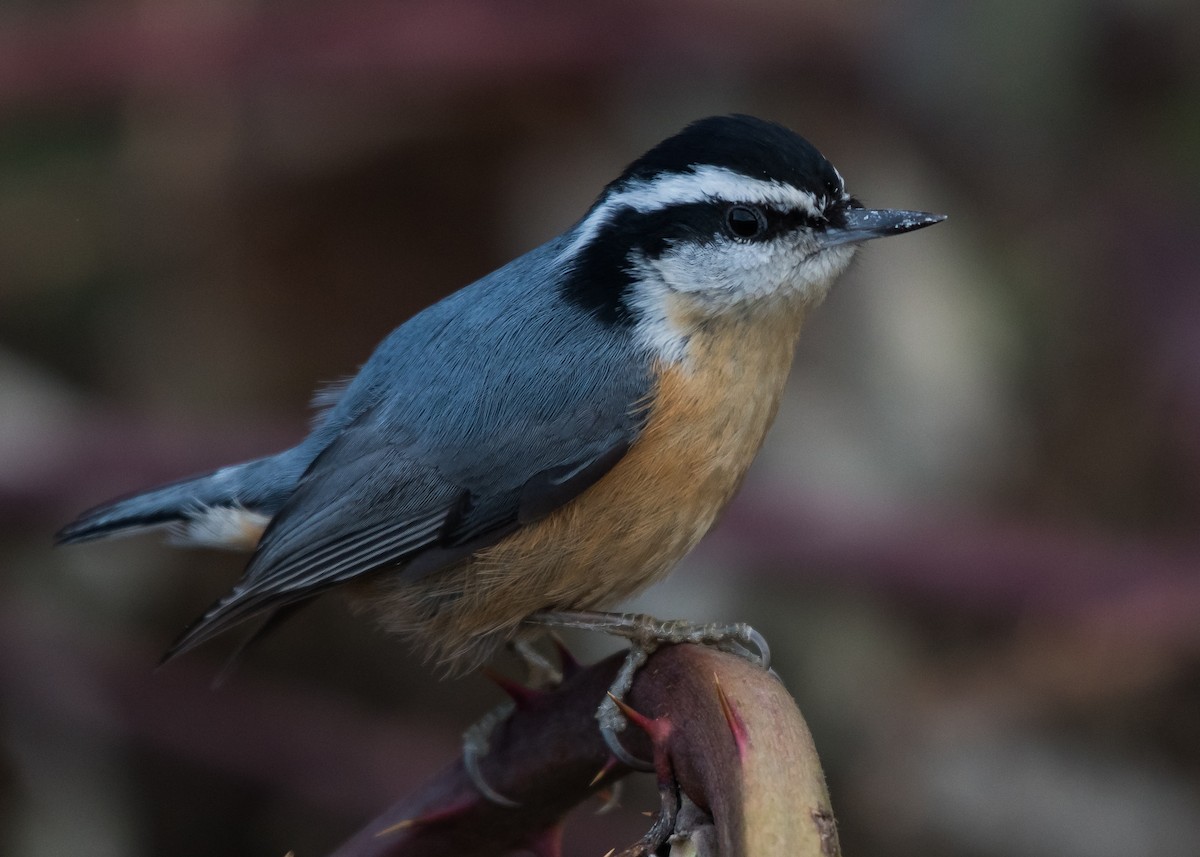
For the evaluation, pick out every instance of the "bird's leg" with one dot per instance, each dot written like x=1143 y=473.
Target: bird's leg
x=543 y=673
x=645 y=635
x=650 y=632
x=477 y=740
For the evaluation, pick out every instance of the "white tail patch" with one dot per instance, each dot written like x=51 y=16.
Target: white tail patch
x=226 y=527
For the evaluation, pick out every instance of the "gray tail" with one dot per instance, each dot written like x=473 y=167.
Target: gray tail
x=261 y=485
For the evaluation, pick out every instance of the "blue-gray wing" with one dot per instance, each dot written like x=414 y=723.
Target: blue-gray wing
x=485 y=412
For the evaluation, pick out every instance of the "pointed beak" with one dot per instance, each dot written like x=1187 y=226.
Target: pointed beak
x=863 y=224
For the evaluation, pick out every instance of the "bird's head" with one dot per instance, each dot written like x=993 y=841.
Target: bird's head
x=731 y=212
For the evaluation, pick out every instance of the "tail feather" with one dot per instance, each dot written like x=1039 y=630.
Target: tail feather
x=135 y=512
x=256 y=488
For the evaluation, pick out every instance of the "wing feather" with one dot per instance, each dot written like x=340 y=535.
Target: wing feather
x=482 y=414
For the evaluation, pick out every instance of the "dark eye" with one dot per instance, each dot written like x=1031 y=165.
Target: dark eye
x=744 y=221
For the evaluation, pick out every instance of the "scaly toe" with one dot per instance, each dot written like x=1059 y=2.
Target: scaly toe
x=471 y=766
x=612 y=740
x=477 y=742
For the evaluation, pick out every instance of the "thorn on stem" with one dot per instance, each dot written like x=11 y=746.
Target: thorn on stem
x=604 y=771
x=523 y=697
x=737 y=726
x=658 y=728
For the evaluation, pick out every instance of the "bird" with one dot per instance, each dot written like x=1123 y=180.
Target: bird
x=549 y=440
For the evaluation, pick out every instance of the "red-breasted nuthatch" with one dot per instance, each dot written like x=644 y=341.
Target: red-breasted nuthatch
x=557 y=435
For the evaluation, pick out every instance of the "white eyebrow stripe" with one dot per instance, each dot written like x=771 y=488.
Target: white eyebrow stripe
x=705 y=183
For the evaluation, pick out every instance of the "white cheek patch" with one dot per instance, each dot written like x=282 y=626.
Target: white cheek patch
x=817 y=273
x=725 y=273
x=719 y=276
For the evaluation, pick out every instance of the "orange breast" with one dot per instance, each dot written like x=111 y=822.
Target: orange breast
x=709 y=415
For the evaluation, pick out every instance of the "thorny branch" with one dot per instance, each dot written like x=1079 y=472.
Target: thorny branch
x=735 y=763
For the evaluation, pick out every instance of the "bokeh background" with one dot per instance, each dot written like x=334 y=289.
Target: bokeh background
x=972 y=537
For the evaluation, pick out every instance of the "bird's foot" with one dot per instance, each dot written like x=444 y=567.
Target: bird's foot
x=542 y=672
x=477 y=743
x=543 y=675
x=649 y=633
x=645 y=635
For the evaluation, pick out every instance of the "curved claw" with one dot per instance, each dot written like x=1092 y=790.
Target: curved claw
x=471 y=757
x=477 y=744
x=745 y=642
x=612 y=739
x=760 y=643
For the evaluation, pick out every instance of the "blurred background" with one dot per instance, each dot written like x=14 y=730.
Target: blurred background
x=972 y=538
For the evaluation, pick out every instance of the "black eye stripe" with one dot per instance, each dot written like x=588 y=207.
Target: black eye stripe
x=601 y=273
x=653 y=231
x=779 y=221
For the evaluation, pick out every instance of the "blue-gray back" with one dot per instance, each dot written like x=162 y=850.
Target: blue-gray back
x=483 y=412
